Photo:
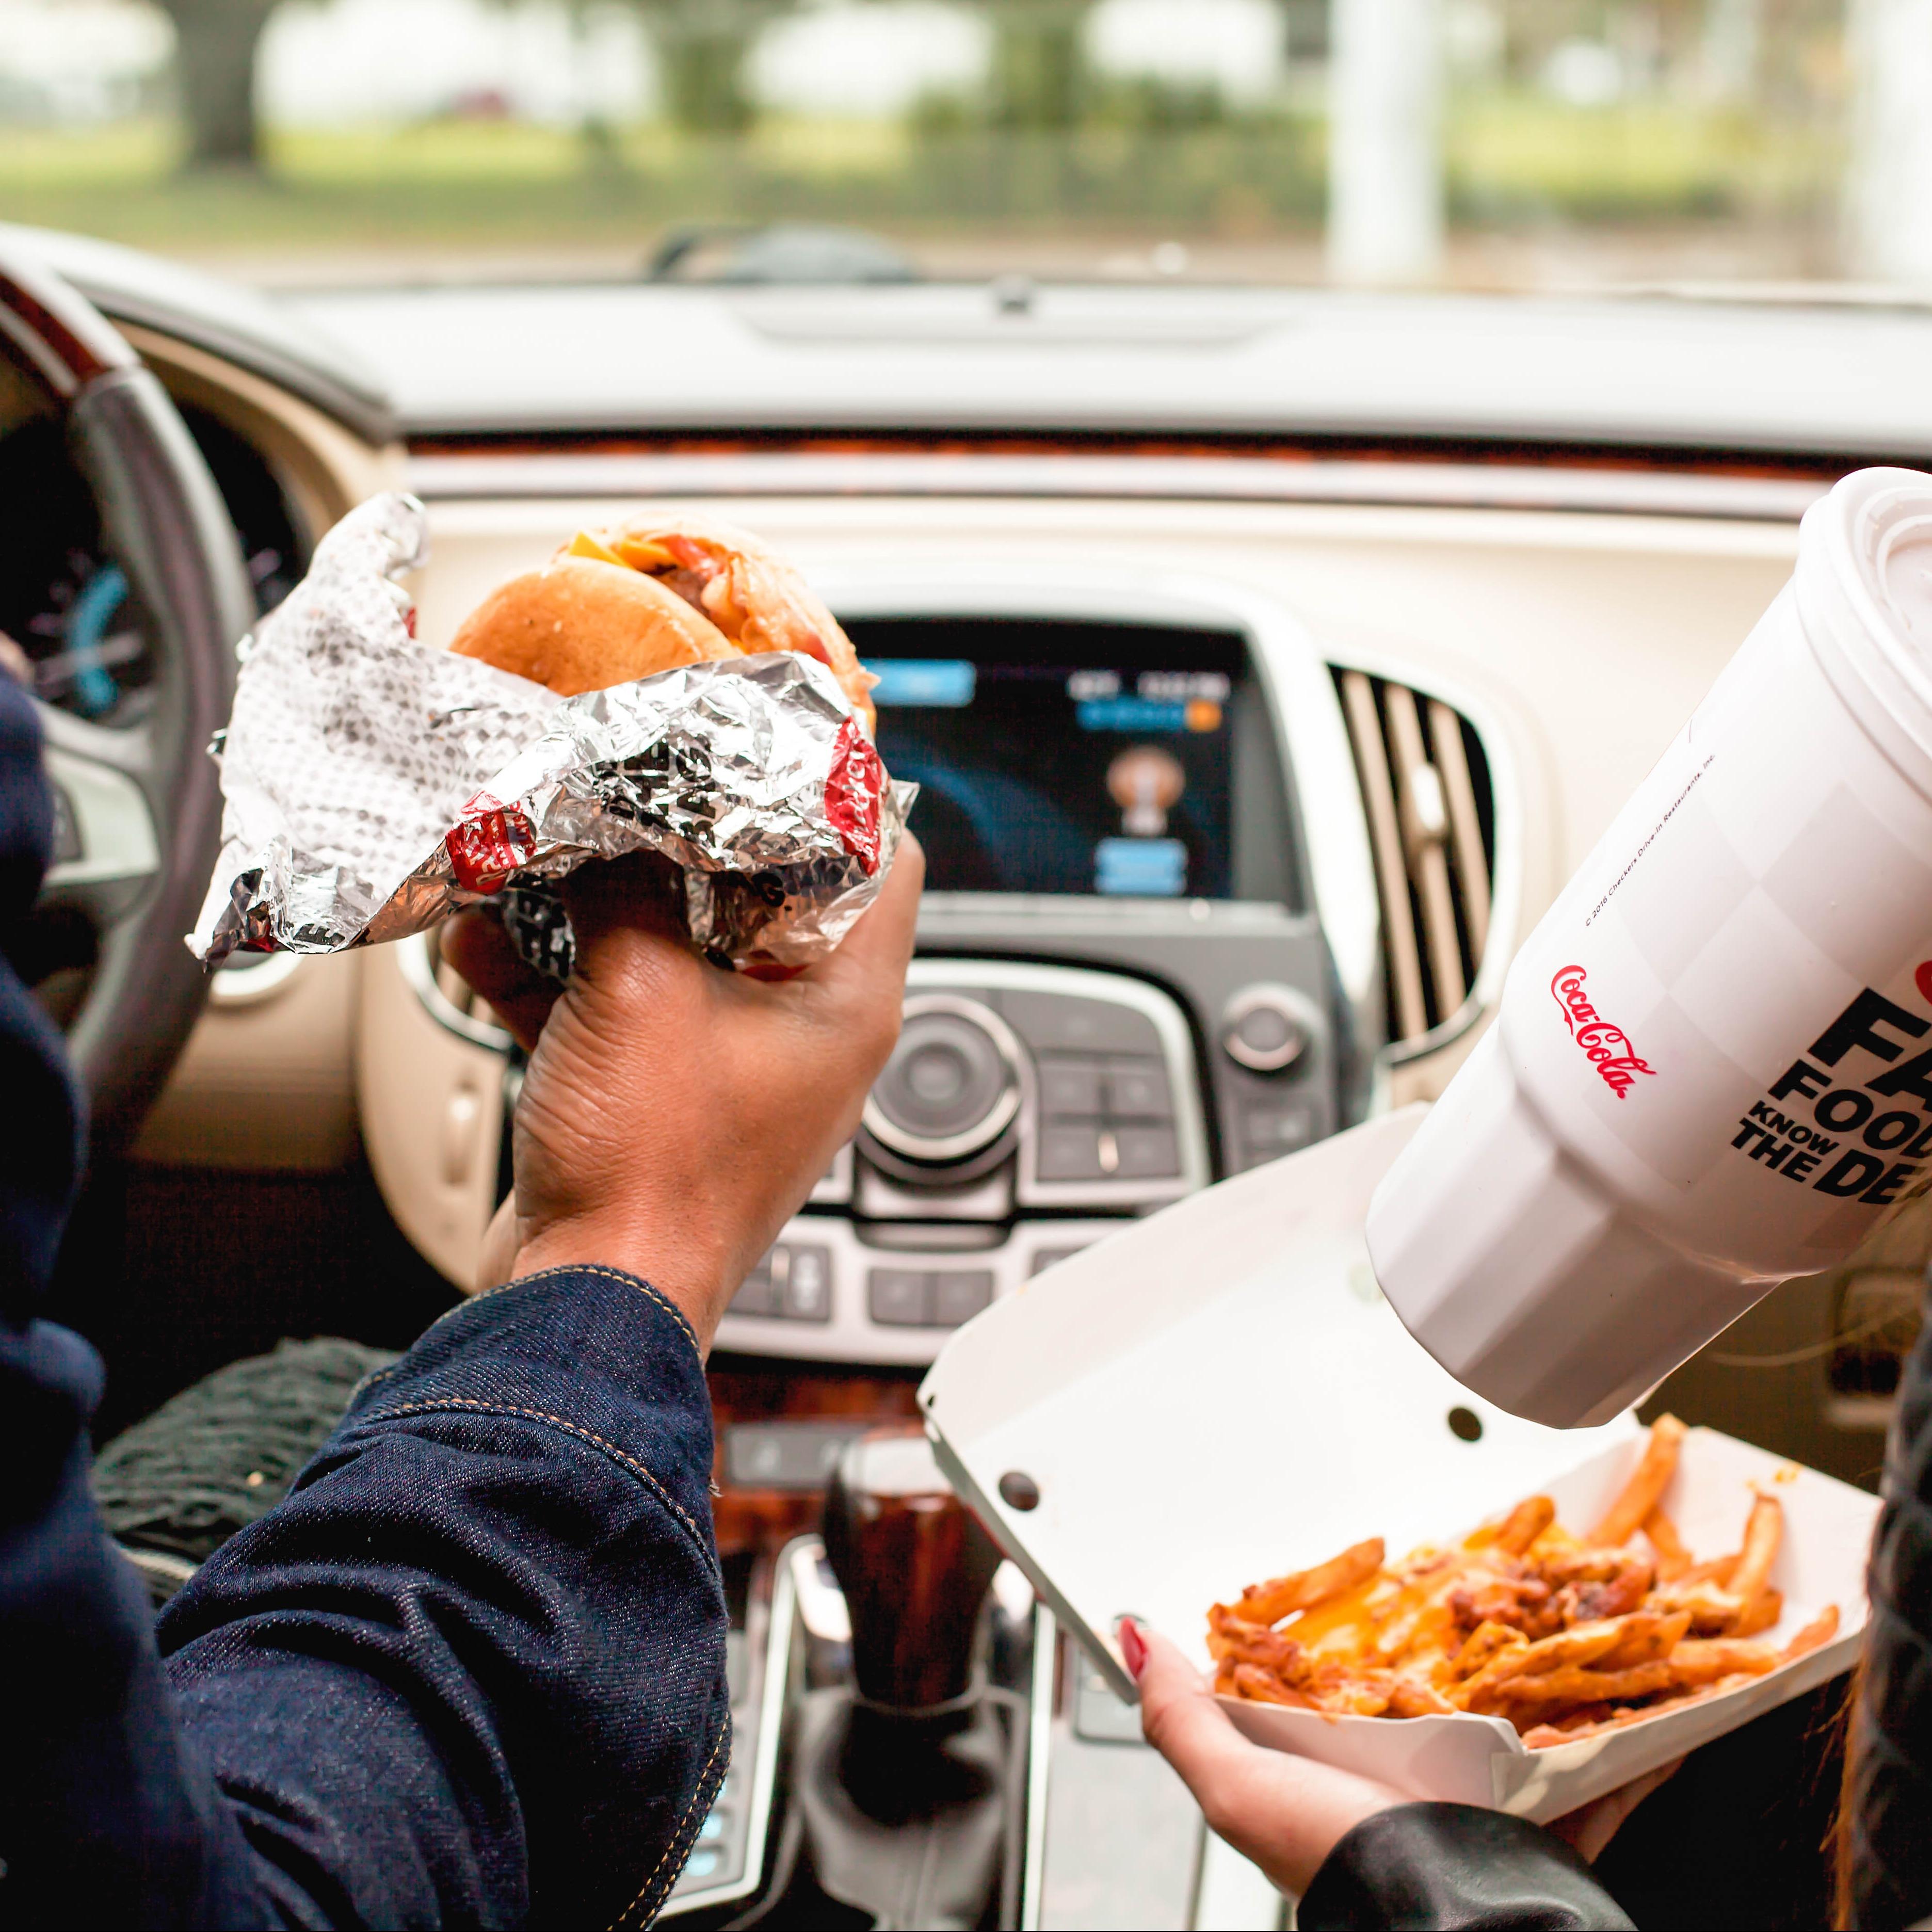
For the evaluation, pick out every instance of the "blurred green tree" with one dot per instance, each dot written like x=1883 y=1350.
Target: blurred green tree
x=702 y=48
x=1040 y=79
x=215 y=43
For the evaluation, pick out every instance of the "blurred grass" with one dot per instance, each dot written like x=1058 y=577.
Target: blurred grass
x=1512 y=158
x=1514 y=155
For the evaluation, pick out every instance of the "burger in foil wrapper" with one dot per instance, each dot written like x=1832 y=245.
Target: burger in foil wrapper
x=373 y=786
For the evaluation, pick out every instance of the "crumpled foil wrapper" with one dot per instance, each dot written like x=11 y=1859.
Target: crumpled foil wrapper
x=374 y=786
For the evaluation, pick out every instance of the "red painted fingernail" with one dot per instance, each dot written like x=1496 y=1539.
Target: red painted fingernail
x=1133 y=1649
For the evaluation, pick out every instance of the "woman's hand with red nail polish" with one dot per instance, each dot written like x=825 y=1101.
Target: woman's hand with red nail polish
x=1285 y=1814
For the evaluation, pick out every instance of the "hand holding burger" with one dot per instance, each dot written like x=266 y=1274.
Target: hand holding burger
x=673 y=1117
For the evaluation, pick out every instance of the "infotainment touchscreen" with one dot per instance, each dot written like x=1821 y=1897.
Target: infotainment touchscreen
x=1064 y=757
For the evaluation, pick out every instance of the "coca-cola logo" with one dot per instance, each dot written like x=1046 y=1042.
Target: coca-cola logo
x=1608 y=1048
x=488 y=843
x=852 y=788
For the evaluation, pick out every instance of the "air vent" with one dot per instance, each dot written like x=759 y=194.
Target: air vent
x=1426 y=787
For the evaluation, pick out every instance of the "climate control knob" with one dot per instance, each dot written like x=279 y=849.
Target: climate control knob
x=952 y=1087
x=1266 y=1029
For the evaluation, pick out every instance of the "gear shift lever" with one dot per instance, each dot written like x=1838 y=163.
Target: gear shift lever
x=908 y=1788
x=914 y=1566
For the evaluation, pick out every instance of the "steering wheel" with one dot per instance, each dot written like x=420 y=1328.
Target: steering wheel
x=139 y=805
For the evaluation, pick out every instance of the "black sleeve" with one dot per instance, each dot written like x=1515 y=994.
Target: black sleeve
x=1889 y=1793
x=1455 y=1866
x=44 y=1144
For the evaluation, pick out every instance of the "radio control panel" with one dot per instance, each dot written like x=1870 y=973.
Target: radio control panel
x=1026 y=1112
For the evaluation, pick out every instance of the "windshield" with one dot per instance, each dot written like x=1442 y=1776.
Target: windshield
x=1751 y=146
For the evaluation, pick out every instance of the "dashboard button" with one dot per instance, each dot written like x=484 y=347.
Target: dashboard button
x=1266 y=1029
x=1060 y=1023
x=959 y=1294
x=754 y=1292
x=1044 y=1258
x=1147 y=1153
x=784 y=1455
x=1071 y=1153
x=950 y=1090
x=67 y=827
x=1137 y=1091
x=900 y=1297
x=1069 y=1089
x=1271 y=1131
x=804 y=1293
x=945 y=1078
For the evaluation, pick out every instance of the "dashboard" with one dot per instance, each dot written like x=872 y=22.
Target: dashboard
x=67 y=604
x=1266 y=664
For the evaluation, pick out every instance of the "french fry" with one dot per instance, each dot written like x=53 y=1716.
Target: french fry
x=1719 y=1570
x=1567 y=1649
x=1584 y=1565
x=1258 y=1687
x=1818 y=1631
x=1565 y=1638
x=1524 y=1525
x=1346 y=1694
x=1486 y=1641
x=1713 y=1610
x=1412 y=1698
x=1583 y=1716
x=1422 y=1617
x=1342 y=1624
x=1763 y=1532
x=1583 y=1645
x=1269 y=1603
x=1698 y=1660
x=1762 y=1611
x=1257 y=1644
x=1672 y=1558
x=1648 y=1482
x=1578 y=1685
x=1540 y=1737
x=1616 y=1596
x=1649 y=1636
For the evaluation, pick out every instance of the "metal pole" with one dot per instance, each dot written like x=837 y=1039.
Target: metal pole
x=1889 y=185
x=1385 y=141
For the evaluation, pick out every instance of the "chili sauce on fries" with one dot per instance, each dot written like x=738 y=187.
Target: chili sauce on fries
x=1565 y=1636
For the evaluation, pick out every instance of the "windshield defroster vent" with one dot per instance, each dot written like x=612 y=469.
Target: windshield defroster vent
x=1426 y=790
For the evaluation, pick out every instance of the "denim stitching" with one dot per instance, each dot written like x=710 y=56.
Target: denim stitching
x=703 y=1779
x=670 y=1307
x=557 y=1422
x=617 y=1275
x=663 y=1300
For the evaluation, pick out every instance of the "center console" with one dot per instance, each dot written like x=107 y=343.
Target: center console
x=1168 y=868
x=1122 y=991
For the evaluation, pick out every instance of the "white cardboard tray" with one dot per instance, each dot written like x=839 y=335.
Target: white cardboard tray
x=1219 y=1393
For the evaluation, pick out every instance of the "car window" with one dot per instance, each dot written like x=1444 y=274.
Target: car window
x=1752 y=147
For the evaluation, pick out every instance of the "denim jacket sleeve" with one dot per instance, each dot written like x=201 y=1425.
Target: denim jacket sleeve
x=471 y=1671
x=473 y=1668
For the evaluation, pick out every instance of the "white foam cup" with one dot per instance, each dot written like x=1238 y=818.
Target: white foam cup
x=1712 y=1066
